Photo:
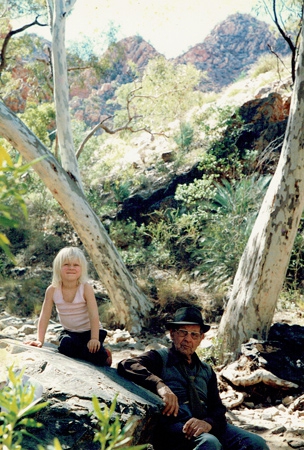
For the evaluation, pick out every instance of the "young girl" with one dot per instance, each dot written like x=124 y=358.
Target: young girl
x=76 y=305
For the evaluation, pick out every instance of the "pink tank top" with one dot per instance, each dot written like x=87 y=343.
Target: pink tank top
x=73 y=316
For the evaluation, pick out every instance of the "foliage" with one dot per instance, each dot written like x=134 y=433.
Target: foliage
x=206 y=235
x=264 y=64
x=289 y=13
x=164 y=94
x=86 y=48
x=287 y=16
x=121 y=190
x=295 y=272
x=12 y=191
x=19 y=302
x=111 y=435
x=17 y=401
x=222 y=128
x=41 y=120
x=228 y=220
x=28 y=79
x=211 y=355
x=185 y=136
x=19 y=8
x=197 y=191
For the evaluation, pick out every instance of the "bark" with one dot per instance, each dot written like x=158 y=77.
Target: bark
x=263 y=265
x=131 y=305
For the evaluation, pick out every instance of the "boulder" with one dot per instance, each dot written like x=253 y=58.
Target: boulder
x=69 y=385
x=265 y=119
x=139 y=205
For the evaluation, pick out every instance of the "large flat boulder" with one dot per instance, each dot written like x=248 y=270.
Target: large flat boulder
x=69 y=385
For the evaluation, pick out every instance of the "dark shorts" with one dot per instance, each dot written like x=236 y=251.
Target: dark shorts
x=74 y=345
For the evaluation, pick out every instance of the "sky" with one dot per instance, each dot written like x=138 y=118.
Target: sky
x=171 y=26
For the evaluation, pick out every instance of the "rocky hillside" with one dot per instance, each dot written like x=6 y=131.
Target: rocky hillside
x=227 y=53
x=230 y=50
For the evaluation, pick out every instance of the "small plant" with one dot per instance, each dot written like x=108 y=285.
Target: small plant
x=211 y=355
x=17 y=402
x=111 y=435
x=185 y=136
x=241 y=76
x=264 y=64
x=121 y=190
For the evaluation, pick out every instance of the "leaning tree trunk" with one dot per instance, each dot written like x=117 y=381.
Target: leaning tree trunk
x=263 y=265
x=131 y=305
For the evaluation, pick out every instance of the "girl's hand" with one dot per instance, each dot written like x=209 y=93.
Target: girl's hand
x=93 y=345
x=34 y=343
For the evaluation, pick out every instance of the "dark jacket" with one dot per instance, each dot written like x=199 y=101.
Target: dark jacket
x=147 y=370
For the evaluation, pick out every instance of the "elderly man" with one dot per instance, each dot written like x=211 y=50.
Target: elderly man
x=194 y=415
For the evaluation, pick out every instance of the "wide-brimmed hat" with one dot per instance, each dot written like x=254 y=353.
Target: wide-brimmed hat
x=188 y=315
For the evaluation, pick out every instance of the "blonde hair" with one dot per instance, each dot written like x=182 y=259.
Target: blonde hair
x=69 y=254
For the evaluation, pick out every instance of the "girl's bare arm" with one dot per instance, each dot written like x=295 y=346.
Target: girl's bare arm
x=44 y=318
x=94 y=343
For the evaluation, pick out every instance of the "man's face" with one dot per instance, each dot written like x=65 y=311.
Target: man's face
x=187 y=343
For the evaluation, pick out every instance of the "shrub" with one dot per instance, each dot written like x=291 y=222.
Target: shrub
x=223 y=225
x=17 y=404
x=112 y=435
x=264 y=64
x=185 y=136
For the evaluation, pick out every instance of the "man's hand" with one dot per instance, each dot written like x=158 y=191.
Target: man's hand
x=195 y=427
x=169 y=398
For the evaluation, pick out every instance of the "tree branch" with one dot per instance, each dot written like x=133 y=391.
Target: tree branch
x=7 y=38
x=89 y=135
x=69 y=5
x=288 y=40
x=126 y=127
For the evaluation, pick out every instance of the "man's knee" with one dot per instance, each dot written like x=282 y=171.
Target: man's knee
x=256 y=443
x=207 y=441
x=240 y=439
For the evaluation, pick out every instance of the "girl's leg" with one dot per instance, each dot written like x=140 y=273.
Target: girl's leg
x=68 y=344
x=74 y=345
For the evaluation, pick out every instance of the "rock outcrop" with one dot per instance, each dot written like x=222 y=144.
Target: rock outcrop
x=264 y=123
x=69 y=385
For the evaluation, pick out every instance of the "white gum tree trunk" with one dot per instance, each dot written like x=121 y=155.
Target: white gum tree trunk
x=58 y=11
x=131 y=305
x=263 y=265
